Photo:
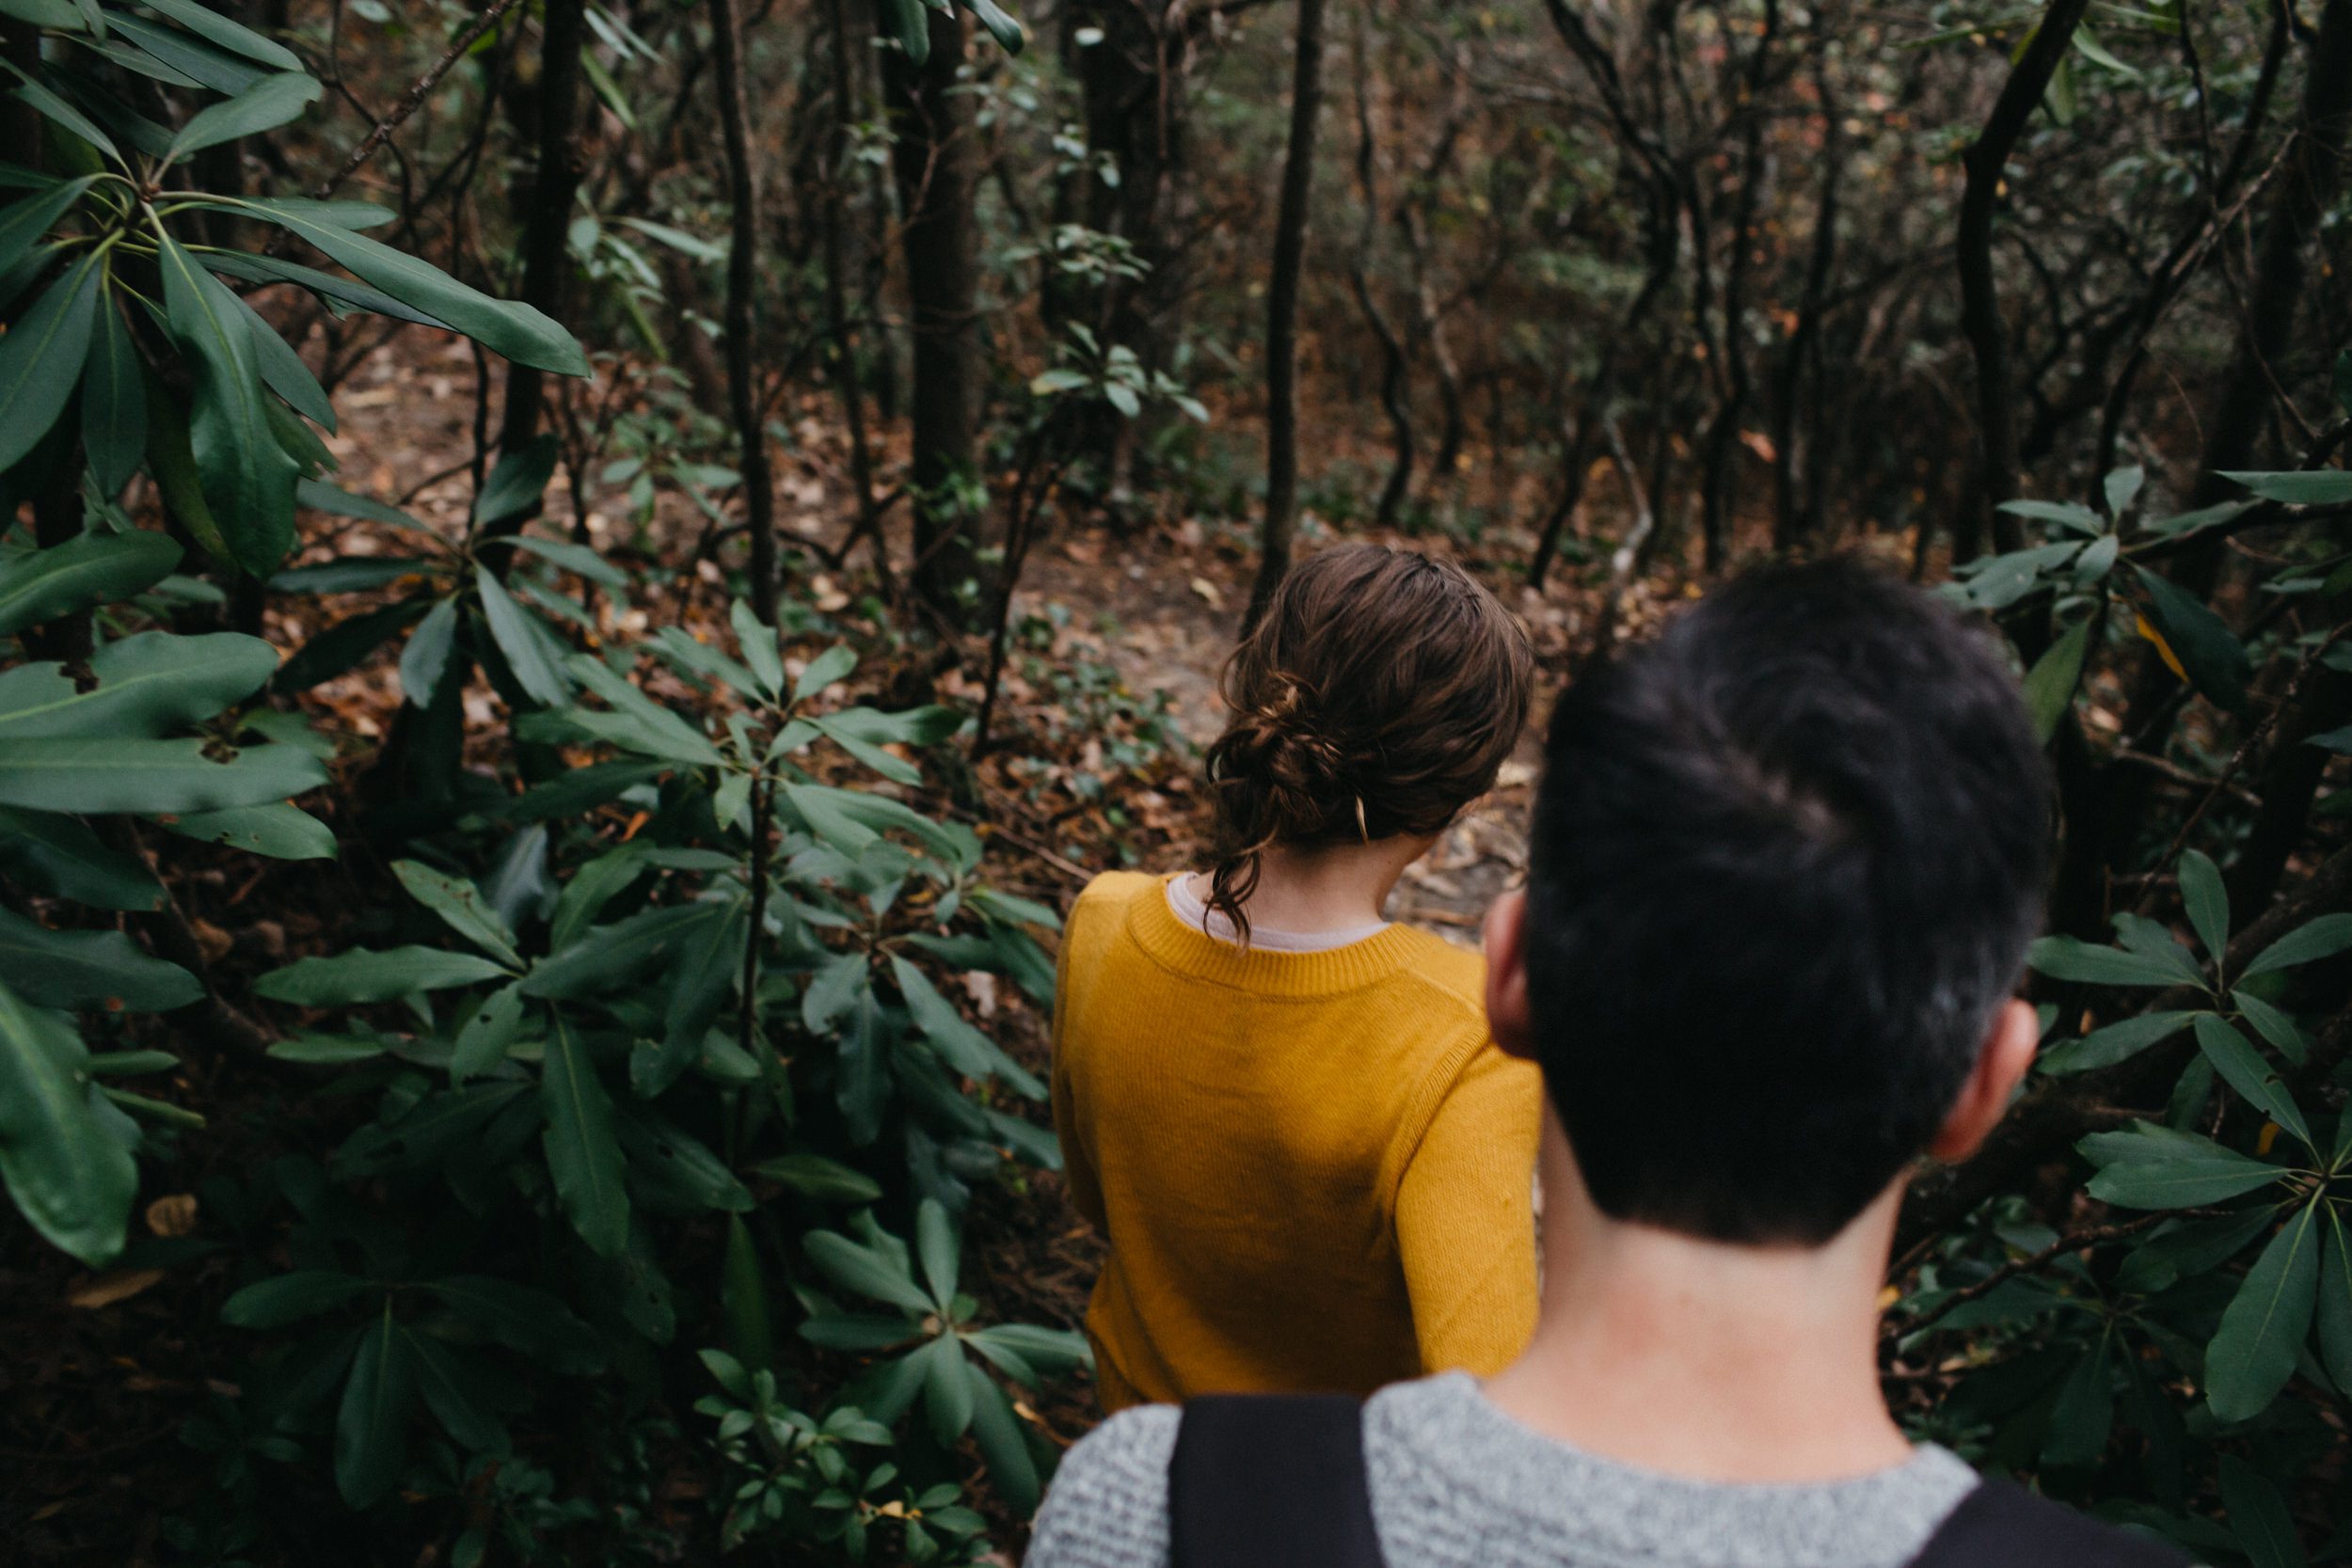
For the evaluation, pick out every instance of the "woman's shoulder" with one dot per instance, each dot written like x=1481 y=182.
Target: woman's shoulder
x=1109 y=892
x=1451 y=974
x=1449 y=1036
x=1115 y=887
x=1100 y=911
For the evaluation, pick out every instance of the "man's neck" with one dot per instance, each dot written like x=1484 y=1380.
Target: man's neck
x=1335 y=887
x=1720 y=1363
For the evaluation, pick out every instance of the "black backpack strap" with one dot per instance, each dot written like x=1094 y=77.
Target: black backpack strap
x=1272 y=1479
x=2001 y=1525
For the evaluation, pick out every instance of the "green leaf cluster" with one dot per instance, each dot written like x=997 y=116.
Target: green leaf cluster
x=143 y=728
x=608 y=1046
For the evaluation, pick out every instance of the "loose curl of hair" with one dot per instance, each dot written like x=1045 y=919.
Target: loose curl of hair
x=1378 y=695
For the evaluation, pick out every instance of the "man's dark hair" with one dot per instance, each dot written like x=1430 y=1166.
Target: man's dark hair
x=1787 y=860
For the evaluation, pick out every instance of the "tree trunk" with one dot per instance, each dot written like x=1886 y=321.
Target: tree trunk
x=1133 y=85
x=1576 y=461
x=55 y=466
x=933 y=162
x=1722 y=436
x=1392 y=367
x=837 y=285
x=2290 y=781
x=759 y=500
x=1454 y=425
x=1663 y=242
x=2180 y=263
x=1792 y=519
x=1980 y=305
x=1281 y=334
x=2307 y=188
x=546 y=206
x=547 y=203
x=883 y=380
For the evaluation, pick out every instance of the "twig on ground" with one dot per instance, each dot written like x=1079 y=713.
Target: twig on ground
x=1021 y=841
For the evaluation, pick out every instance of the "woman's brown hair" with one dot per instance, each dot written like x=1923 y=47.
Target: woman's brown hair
x=1378 y=695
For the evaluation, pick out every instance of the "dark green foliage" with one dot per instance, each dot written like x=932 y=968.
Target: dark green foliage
x=594 y=1050
x=641 y=1081
x=2204 y=1331
x=583 y=1075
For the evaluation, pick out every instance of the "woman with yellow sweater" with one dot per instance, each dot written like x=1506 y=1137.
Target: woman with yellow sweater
x=1312 y=1167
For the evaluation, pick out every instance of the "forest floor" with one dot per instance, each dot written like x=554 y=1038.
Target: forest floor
x=1109 y=697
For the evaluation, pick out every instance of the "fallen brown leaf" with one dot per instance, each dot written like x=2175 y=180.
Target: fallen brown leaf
x=174 y=1215
x=113 y=1285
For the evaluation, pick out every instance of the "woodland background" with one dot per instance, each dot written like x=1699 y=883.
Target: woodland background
x=582 y=581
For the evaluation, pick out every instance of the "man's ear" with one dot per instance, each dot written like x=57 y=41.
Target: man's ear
x=2002 y=1062
x=1506 y=973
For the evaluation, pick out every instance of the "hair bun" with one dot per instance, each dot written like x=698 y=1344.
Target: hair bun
x=1376 y=695
x=1278 y=751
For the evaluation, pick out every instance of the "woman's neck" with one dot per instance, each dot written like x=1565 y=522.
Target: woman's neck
x=1330 y=887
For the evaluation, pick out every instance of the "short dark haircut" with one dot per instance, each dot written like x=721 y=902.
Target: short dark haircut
x=1787 y=859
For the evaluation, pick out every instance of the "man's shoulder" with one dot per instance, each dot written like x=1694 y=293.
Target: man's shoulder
x=2000 y=1522
x=1454 y=1480
x=1108 y=1504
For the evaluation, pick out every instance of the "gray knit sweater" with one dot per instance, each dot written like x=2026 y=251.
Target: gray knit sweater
x=1456 y=1483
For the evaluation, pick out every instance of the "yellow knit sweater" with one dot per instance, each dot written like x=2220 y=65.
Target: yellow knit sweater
x=1313 y=1169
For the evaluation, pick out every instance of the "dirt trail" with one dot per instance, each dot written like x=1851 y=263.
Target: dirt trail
x=1161 y=605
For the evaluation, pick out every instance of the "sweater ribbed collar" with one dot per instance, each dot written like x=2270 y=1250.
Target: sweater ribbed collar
x=1193 y=953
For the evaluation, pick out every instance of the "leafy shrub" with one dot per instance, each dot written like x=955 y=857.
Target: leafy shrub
x=119 y=308
x=632 y=1067
x=86 y=751
x=2192 y=1336
x=627 y=1041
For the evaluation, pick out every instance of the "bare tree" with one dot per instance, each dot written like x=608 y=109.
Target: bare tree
x=556 y=169
x=1755 y=174
x=1133 y=60
x=1980 y=305
x=2307 y=188
x=1281 y=334
x=843 y=98
x=1794 y=520
x=2311 y=174
x=759 y=500
x=1393 y=398
x=933 y=165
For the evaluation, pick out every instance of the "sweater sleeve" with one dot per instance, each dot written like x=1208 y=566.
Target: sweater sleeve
x=1466 y=1221
x=1086 y=1189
